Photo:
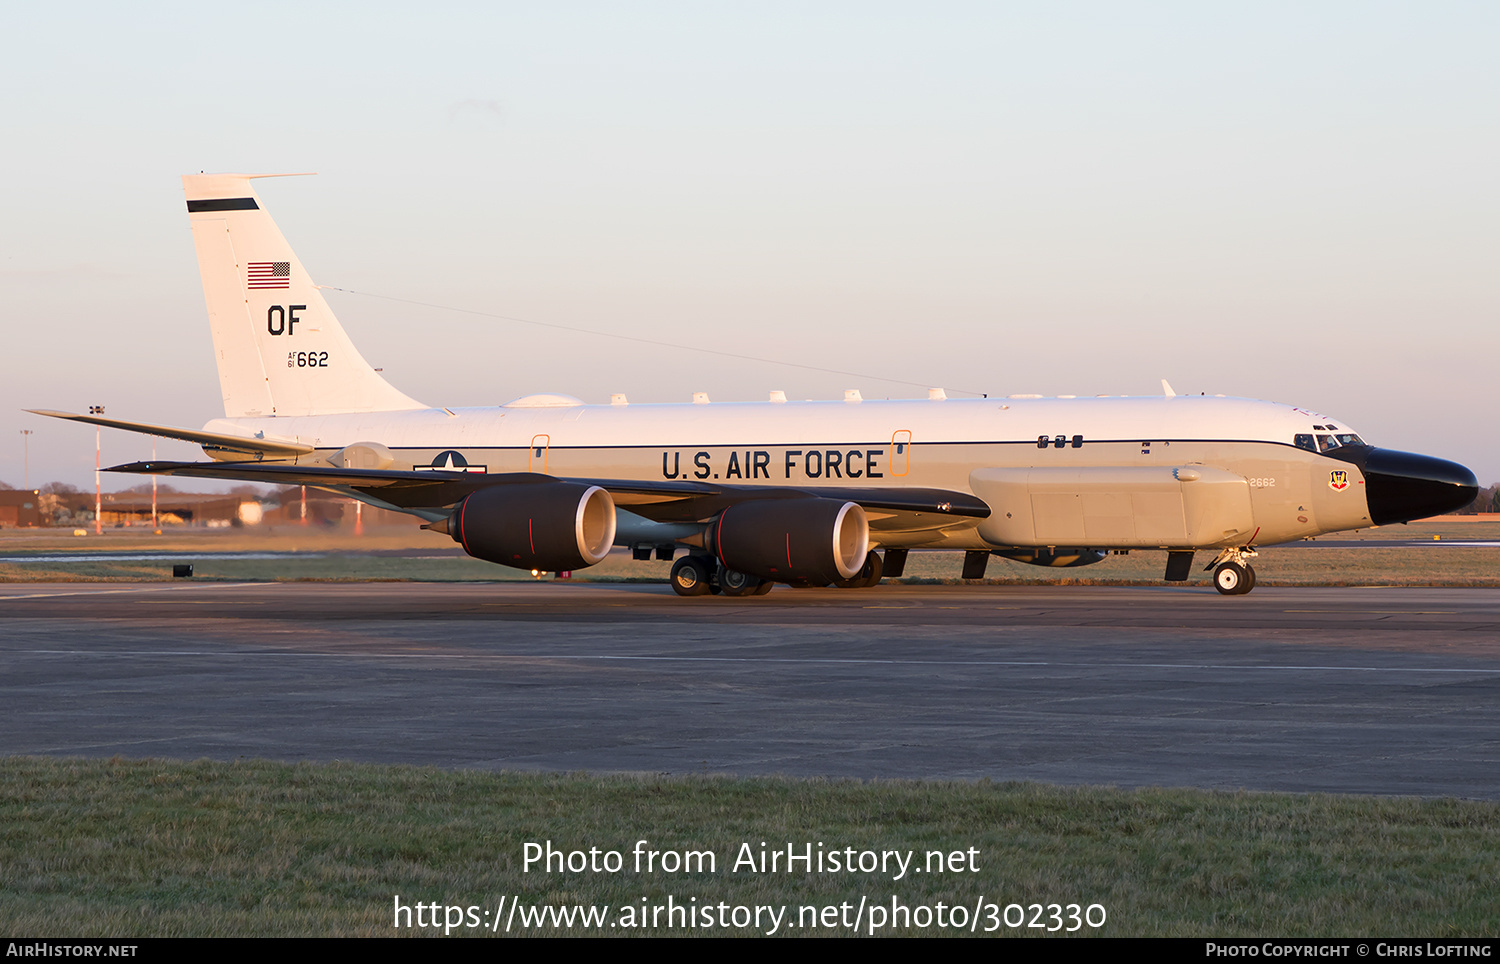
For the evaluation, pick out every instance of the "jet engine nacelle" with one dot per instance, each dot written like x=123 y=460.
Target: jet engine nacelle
x=1054 y=558
x=792 y=540
x=550 y=526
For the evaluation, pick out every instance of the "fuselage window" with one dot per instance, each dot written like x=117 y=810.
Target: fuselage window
x=1305 y=442
x=1078 y=441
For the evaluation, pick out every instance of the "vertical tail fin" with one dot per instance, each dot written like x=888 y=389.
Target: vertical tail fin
x=280 y=349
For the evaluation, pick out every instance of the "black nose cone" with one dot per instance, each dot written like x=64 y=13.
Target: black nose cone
x=1401 y=486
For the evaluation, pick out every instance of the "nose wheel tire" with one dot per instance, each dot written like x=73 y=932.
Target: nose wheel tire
x=1233 y=579
x=690 y=577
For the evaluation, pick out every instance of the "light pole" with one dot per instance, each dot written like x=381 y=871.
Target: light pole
x=26 y=442
x=98 y=489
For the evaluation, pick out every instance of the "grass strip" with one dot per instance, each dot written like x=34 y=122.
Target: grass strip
x=159 y=848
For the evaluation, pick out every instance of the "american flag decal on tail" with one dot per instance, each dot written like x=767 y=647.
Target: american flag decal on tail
x=270 y=274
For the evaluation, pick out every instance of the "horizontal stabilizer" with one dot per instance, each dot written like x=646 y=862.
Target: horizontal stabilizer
x=258 y=447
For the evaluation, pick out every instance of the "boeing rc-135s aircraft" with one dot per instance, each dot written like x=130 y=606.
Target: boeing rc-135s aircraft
x=803 y=493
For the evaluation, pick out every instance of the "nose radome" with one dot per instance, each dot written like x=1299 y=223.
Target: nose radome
x=1401 y=486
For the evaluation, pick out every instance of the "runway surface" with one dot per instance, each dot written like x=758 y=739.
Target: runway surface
x=1372 y=690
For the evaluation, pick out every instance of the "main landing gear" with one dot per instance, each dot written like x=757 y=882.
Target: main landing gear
x=701 y=575
x=734 y=583
x=690 y=576
x=868 y=575
x=1233 y=574
x=697 y=575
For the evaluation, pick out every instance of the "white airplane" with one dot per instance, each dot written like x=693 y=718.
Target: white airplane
x=758 y=493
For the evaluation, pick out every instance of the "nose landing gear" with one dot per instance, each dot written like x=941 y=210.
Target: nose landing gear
x=1233 y=574
x=1233 y=579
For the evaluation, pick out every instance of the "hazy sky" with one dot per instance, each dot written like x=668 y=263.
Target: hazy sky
x=1298 y=202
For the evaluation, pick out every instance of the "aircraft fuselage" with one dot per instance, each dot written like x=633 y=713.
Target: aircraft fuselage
x=1282 y=492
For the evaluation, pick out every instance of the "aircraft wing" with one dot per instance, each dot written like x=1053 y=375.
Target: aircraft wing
x=659 y=500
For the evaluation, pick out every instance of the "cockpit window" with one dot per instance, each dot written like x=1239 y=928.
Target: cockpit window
x=1327 y=443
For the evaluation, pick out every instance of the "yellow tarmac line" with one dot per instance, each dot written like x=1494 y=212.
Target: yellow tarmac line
x=114 y=592
x=1379 y=612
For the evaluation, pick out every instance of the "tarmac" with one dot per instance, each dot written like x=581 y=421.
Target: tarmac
x=1347 y=690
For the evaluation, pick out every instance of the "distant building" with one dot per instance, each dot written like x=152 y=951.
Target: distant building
x=178 y=509
x=30 y=507
x=20 y=507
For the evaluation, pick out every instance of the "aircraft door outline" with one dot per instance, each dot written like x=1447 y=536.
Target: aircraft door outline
x=537 y=454
x=900 y=457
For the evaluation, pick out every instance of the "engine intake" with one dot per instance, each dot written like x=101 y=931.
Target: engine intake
x=792 y=540
x=551 y=526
